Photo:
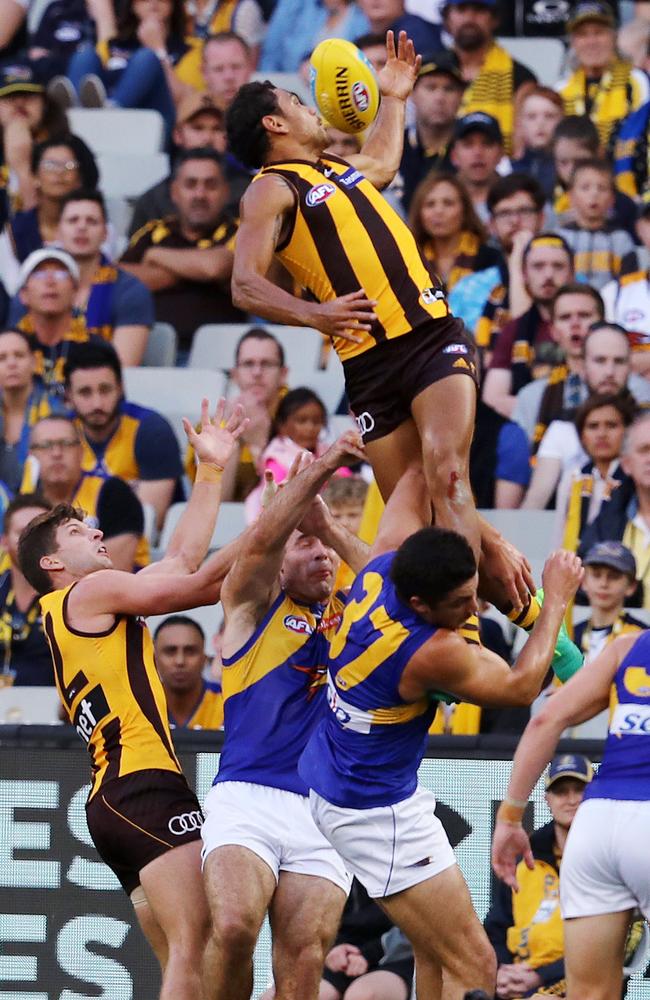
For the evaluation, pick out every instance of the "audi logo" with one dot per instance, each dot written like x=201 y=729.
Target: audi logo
x=365 y=422
x=185 y=823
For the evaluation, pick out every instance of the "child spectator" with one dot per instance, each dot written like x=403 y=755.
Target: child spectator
x=610 y=579
x=538 y=110
x=345 y=497
x=598 y=246
x=448 y=231
x=601 y=422
x=576 y=139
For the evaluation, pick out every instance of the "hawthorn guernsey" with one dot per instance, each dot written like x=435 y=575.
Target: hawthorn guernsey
x=343 y=85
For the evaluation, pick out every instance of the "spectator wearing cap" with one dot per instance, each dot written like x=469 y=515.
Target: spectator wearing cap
x=603 y=87
x=121 y=438
x=60 y=166
x=598 y=245
x=27 y=115
x=391 y=15
x=23 y=404
x=601 y=422
x=55 y=471
x=26 y=657
x=627 y=298
x=476 y=152
x=297 y=26
x=524 y=349
x=484 y=300
x=192 y=701
x=48 y=283
x=186 y=258
x=199 y=125
x=525 y=928
x=626 y=517
x=574 y=309
x=607 y=370
x=448 y=231
x=492 y=75
x=114 y=304
x=436 y=99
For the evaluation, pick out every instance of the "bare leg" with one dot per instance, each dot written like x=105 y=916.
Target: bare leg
x=378 y=985
x=305 y=915
x=438 y=918
x=150 y=926
x=174 y=891
x=593 y=949
x=390 y=456
x=239 y=887
x=444 y=414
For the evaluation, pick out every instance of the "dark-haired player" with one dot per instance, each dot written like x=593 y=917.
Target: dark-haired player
x=370 y=290
x=143 y=818
x=396 y=654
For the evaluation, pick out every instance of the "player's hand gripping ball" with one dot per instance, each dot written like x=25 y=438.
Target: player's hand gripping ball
x=343 y=85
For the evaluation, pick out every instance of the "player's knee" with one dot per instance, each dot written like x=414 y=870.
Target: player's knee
x=235 y=935
x=443 y=461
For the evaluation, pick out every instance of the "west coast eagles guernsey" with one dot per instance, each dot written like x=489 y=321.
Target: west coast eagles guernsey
x=366 y=751
x=343 y=236
x=273 y=693
x=625 y=770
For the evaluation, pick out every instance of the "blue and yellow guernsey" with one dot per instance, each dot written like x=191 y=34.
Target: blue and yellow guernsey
x=625 y=770
x=274 y=693
x=366 y=751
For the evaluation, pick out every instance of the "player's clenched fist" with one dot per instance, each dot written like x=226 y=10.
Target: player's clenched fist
x=562 y=575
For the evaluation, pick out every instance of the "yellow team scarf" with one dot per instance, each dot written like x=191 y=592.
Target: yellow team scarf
x=612 y=100
x=493 y=92
x=222 y=19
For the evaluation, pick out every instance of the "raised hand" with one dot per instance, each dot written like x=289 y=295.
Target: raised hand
x=347 y=450
x=397 y=78
x=343 y=316
x=216 y=439
x=562 y=575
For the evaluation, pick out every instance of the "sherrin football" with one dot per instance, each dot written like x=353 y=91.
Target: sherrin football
x=343 y=85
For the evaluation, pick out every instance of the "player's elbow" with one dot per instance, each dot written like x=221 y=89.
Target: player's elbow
x=242 y=286
x=521 y=693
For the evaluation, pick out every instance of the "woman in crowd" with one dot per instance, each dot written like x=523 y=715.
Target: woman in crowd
x=448 y=231
x=148 y=63
x=59 y=166
x=538 y=110
x=601 y=422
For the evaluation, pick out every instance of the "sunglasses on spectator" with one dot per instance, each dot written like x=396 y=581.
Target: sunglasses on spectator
x=59 y=166
x=58 y=273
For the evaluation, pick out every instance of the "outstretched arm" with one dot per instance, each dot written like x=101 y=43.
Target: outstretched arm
x=253 y=578
x=213 y=445
x=586 y=694
x=381 y=155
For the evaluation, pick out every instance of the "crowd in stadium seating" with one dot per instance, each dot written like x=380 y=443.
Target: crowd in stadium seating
x=527 y=194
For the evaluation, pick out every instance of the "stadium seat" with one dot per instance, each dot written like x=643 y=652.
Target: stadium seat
x=130 y=176
x=544 y=56
x=161 y=347
x=528 y=530
x=119 y=130
x=214 y=346
x=174 y=392
x=209 y=618
x=328 y=384
x=287 y=81
x=230 y=523
x=339 y=423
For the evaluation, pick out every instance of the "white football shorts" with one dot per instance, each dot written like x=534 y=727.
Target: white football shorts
x=605 y=862
x=388 y=848
x=274 y=824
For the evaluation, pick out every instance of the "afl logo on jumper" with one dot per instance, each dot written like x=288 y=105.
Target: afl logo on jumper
x=319 y=193
x=300 y=625
x=360 y=96
x=185 y=823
